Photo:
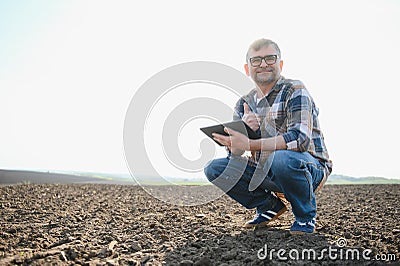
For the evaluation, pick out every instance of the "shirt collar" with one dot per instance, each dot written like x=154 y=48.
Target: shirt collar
x=250 y=97
x=280 y=81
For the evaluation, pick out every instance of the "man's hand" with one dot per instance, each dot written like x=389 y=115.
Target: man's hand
x=236 y=151
x=250 y=118
x=236 y=141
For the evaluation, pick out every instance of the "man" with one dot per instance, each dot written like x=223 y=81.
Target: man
x=291 y=150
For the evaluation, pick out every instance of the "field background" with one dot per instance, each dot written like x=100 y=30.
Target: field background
x=67 y=177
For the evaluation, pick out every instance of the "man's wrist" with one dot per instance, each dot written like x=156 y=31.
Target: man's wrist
x=254 y=144
x=237 y=151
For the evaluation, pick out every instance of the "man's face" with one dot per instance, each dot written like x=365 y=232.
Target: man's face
x=265 y=73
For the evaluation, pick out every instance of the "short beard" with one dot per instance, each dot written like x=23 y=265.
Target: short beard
x=262 y=81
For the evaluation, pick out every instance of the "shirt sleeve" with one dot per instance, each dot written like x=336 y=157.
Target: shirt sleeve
x=300 y=121
x=238 y=111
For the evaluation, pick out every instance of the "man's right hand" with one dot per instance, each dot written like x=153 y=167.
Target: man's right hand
x=235 y=151
x=250 y=118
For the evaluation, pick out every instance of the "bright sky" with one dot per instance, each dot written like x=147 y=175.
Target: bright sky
x=69 y=69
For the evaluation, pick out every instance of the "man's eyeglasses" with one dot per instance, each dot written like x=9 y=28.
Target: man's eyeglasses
x=269 y=60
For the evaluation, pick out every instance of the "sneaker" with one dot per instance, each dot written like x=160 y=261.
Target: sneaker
x=262 y=219
x=299 y=228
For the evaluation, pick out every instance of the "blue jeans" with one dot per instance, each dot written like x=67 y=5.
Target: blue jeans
x=296 y=174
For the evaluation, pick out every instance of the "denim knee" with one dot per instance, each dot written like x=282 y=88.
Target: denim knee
x=210 y=170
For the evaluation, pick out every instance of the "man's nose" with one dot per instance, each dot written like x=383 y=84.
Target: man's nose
x=263 y=63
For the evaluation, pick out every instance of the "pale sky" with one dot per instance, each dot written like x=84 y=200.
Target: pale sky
x=69 y=69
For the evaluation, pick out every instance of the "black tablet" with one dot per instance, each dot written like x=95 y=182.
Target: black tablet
x=238 y=125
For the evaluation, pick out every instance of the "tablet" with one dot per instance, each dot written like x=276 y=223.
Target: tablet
x=238 y=125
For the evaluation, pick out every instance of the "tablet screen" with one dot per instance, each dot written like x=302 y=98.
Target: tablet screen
x=238 y=125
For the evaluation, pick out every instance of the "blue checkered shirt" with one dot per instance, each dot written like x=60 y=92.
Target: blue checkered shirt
x=290 y=111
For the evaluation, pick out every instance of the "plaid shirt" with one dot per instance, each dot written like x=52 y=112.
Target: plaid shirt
x=288 y=110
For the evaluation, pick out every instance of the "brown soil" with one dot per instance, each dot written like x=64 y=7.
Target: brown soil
x=100 y=224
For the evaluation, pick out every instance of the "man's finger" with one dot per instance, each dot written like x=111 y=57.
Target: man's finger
x=246 y=108
x=224 y=140
x=229 y=130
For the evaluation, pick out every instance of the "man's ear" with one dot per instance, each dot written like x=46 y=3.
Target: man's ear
x=281 y=65
x=246 y=68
